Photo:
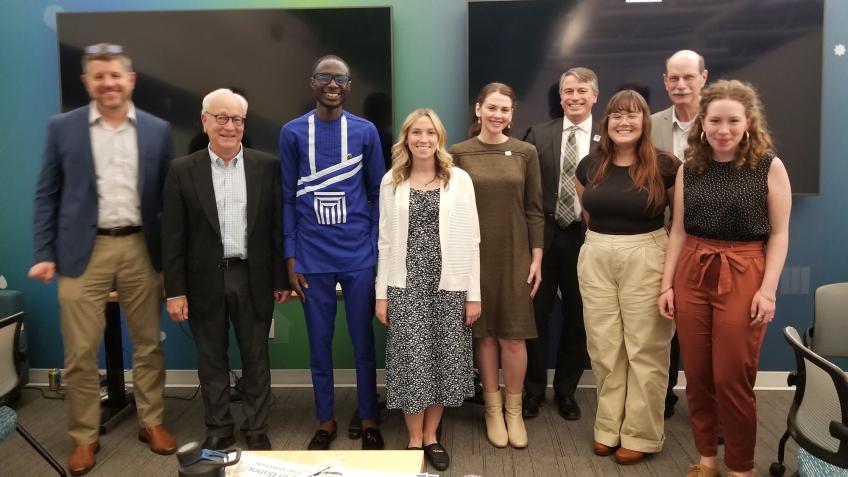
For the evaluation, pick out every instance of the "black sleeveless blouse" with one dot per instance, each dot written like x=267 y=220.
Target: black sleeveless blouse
x=725 y=203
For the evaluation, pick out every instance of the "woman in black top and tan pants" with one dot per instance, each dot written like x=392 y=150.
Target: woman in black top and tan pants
x=624 y=188
x=728 y=243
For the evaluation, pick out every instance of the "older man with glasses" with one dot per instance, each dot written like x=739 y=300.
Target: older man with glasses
x=96 y=222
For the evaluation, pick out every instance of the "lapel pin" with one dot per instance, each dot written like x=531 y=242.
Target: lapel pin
x=507 y=153
x=596 y=137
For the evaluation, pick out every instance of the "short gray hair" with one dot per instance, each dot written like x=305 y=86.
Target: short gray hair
x=207 y=100
x=584 y=75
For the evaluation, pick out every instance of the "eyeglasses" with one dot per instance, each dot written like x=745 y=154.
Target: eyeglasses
x=223 y=119
x=104 y=48
x=686 y=78
x=629 y=116
x=325 y=78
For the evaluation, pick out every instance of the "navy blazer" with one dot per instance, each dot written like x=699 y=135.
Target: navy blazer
x=64 y=222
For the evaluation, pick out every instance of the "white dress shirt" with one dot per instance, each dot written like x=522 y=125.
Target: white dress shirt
x=583 y=136
x=679 y=134
x=231 y=200
x=115 y=154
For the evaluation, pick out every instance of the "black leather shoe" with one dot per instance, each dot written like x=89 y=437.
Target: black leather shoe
x=258 y=442
x=437 y=456
x=218 y=443
x=372 y=439
x=321 y=440
x=568 y=408
x=530 y=405
x=669 y=411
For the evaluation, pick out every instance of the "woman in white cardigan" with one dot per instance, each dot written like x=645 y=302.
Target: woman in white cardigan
x=428 y=280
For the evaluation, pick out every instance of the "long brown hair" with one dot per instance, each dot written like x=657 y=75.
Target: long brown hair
x=752 y=148
x=402 y=158
x=475 y=127
x=645 y=170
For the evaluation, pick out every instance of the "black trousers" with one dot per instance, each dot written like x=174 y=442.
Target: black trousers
x=673 y=368
x=559 y=271
x=211 y=335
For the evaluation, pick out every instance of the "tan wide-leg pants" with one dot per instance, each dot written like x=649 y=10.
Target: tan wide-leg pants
x=124 y=261
x=627 y=339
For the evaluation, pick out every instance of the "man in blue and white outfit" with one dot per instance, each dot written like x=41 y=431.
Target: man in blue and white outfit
x=332 y=164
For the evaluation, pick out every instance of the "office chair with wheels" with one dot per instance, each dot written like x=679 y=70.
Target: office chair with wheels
x=829 y=336
x=10 y=384
x=818 y=416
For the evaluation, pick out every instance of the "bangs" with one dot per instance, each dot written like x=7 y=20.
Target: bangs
x=626 y=101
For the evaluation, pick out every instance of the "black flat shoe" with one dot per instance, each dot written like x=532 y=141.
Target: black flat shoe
x=372 y=439
x=437 y=456
x=218 y=443
x=258 y=442
x=530 y=405
x=321 y=440
x=568 y=408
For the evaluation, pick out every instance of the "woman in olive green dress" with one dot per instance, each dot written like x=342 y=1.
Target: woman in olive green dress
x=505 y=173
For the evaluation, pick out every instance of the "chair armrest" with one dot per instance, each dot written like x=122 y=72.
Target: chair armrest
x=792 y=379
x=839 y=430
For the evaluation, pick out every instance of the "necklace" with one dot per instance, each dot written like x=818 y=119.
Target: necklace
x=424 y=185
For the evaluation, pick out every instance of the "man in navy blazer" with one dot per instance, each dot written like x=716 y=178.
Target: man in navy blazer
x=96 y=223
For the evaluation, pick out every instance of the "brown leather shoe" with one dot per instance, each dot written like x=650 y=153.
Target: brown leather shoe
x=602 y=449
x=160 y=440
x=82 y=458
x=624 y=456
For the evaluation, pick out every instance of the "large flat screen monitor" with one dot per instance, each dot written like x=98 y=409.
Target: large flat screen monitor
x=774 y=44
x=268 y=55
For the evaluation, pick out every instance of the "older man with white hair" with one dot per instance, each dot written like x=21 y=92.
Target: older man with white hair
x=223 y=256
x=685 y=75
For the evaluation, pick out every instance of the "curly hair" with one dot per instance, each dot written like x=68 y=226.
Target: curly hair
x=755 y=145
x=402 y=157
x=645 y=170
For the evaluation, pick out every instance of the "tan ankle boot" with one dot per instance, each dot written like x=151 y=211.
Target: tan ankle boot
x=514 y=422
x=495 y=427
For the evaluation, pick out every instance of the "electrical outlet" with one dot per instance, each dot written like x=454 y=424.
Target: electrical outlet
x=271 y=332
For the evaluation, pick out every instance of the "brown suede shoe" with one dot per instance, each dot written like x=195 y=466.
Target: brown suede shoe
x=160 y=440
x=82 y=458
x=700 y=470
x=624 y=456
x=602 y=450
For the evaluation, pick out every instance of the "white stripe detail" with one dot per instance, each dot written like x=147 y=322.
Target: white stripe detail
x=330 y=208
x=344 y=138
x=330 y=181
x=312 y=144
x=329 y=170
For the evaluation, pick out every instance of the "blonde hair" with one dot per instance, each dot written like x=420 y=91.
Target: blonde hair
x=402 y=157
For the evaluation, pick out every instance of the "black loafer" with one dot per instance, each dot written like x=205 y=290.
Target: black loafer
x=259 y=442
x=218 y=443
x=372 y=439
x=321 y=440
x=568 y=408
x=530 y=405
x=437 y=456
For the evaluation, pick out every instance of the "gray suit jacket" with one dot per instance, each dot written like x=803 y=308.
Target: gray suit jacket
x=661 y=130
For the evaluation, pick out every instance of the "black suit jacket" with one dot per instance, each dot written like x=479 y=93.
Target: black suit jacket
x=191 y=236
x=547 y=137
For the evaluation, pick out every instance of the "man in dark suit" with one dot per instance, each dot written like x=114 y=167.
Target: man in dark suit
x=223 y=253
x=685 y=75
x=96 y=221
x=561 y=143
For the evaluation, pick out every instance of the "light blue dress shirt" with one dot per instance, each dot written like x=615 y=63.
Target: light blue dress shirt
x=231 y=200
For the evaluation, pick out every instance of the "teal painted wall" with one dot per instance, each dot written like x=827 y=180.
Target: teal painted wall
x=429 y=70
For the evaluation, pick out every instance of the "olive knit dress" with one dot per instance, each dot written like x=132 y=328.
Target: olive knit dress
x=508 y=190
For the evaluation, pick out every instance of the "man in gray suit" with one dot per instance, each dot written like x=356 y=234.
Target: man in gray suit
x=684 y=77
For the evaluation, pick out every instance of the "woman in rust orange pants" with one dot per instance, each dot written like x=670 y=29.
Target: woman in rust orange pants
x=726 y=249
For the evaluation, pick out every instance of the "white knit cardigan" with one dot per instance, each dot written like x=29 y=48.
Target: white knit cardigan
x=459 y=236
